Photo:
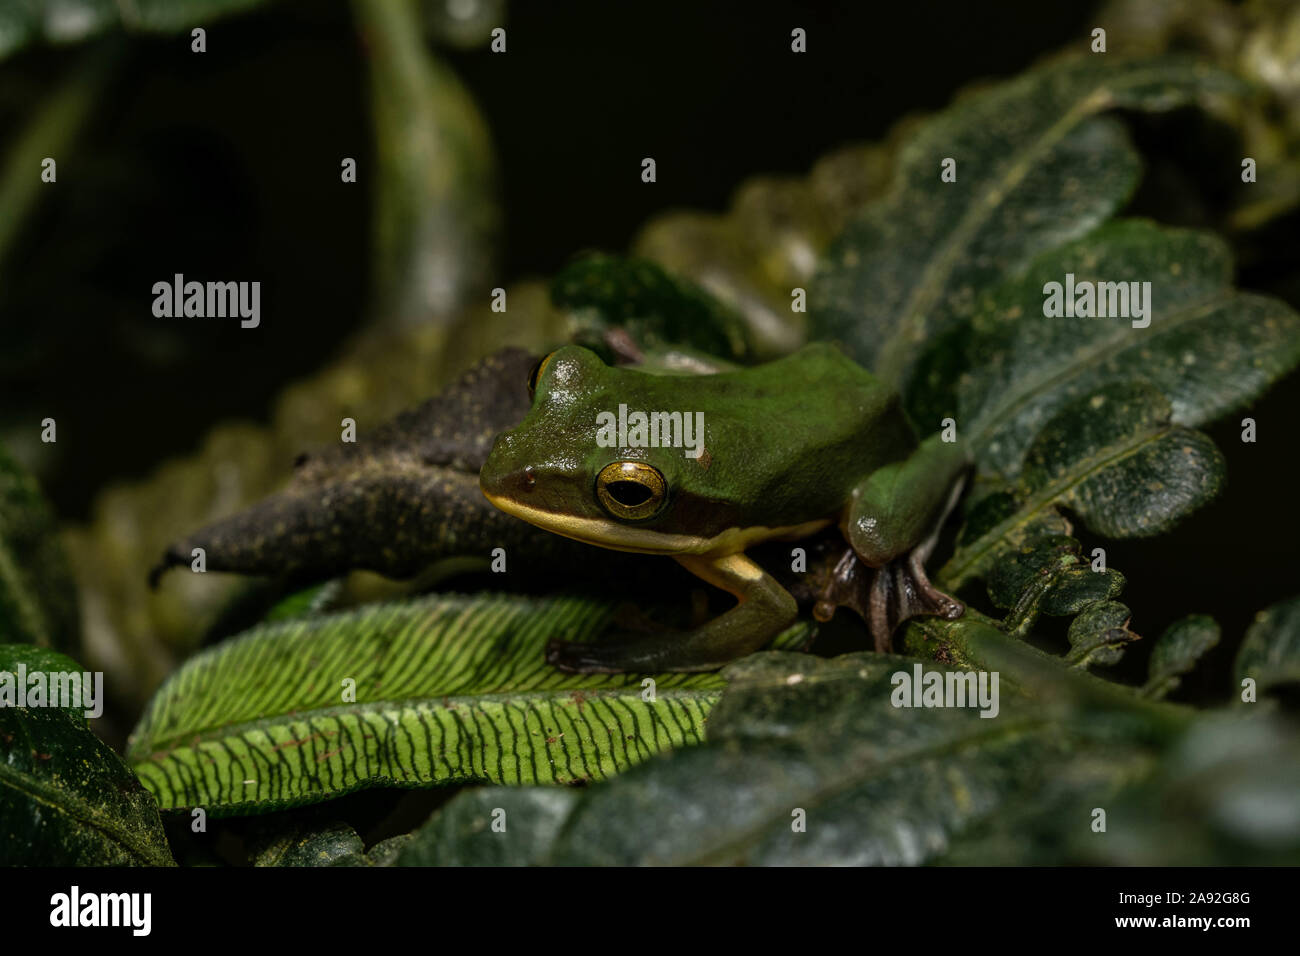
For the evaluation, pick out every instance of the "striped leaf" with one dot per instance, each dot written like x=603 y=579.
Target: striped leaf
x=446 y=689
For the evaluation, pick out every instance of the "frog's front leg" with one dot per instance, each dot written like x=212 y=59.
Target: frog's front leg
x=765 y=609
x=893 y=523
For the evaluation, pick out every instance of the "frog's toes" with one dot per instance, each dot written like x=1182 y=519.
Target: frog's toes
x=901 y=591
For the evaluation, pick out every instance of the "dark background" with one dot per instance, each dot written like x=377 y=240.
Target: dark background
x=226 y=164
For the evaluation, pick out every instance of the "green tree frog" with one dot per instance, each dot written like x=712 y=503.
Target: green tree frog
x=702 y=467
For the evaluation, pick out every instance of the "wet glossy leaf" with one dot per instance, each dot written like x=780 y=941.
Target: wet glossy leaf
x=65 y=798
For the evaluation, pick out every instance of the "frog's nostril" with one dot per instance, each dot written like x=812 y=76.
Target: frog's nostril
x=529 y=479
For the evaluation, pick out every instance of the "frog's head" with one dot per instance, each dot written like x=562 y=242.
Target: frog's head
x=552 y=470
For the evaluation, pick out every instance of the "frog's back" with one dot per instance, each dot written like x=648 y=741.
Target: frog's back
x=786 y=442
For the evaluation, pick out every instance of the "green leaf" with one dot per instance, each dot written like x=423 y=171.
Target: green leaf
x=65 y=798
x=436 y=216
x=1222 y=794
x=38 y=600
x=1047 y=575
x=447 y=689
x=316 y=599
x=491 y=826
x=1177 y=650
x=1209 y=348
x=71 y=21
x=1099 y=634
x=335 y=844
x=1270 y=654
x=638 y=299
x=798 y=739
x=1113 y=459
x=1036 y=167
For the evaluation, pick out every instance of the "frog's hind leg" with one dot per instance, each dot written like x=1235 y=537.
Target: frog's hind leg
x=765 y=609
x=893 y=524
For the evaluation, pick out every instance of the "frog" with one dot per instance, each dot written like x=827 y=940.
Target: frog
x=606 y=455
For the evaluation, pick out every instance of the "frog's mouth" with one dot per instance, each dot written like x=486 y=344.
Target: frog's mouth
x=620 y=537
x=605 y=533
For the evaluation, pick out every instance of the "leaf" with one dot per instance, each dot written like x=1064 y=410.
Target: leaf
x=70 y=21
x=1222 y=794
x=1270 y=654
x=65 y=798
x=316 y=599
x=1114 y=460
x=436 y=217
x=447 y=689
x=1176 y=652
x=491 y=826
x=38 y=601
x=1036 y=167
x=636 y=298
x=335 y=844
x=1047 y=575
x=1209 y=348
x=1099 y=634
x=802 y=738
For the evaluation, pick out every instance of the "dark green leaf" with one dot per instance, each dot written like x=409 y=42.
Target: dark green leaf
x=636 y=298
x=1036 y=167
x=808 y=761
x=491 y=826
x=436 y=214
x=65 y=798
x=1047 y=575
x=1209 y=348
x=1270 y=654
x=70 y=21
x=1225 y=795
x=1099 y=634
x=335 y=844
x=38 y=601
x=1177 y=651
x=1113 y=459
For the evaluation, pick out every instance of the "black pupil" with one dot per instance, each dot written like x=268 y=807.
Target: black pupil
x=532 y=375
x=628 y=493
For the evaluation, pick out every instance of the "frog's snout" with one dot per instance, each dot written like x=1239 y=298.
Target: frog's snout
x=500 y=479
x=510 y=484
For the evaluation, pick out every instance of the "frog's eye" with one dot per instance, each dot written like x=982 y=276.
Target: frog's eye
x=536 y=373
x=630 y=489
